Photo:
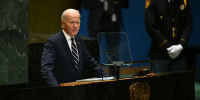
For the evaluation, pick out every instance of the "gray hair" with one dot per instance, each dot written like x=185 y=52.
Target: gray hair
x=66 y=12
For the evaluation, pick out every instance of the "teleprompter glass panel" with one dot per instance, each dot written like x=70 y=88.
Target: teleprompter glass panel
x=114 y=46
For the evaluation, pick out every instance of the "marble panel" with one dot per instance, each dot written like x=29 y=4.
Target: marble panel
x=14 y=41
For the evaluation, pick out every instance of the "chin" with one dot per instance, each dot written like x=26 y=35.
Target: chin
x=74 y=33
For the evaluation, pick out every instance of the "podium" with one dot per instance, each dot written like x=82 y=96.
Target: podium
x=162 y=86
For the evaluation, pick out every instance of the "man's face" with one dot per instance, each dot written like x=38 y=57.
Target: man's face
x=71 y=24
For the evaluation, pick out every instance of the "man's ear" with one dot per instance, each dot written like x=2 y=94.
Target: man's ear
x=62 y=24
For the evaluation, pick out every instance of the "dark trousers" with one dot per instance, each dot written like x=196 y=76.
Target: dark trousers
x=169 y=65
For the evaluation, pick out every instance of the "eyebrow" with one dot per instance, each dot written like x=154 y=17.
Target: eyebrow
x=75 y=20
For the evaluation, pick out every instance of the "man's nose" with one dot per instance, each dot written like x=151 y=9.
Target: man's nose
x=75 y=24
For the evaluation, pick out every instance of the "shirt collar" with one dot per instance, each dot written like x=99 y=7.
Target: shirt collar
x=66 y=35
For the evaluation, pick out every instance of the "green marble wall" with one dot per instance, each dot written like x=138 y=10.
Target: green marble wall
x=14 y=41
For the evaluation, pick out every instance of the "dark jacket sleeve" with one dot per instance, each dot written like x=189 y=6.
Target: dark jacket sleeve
x=187 y=29
x=47 y=63
x=152 y=28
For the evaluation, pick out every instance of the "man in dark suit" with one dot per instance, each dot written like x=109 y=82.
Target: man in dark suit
x=106 y=16
x=65 y=55
x=169 y=24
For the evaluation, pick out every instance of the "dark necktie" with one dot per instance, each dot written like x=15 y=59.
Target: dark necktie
x=75 y=54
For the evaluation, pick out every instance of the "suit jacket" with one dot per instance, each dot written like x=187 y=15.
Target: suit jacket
x=167 y=24
x=97 y=14
x=57 y=63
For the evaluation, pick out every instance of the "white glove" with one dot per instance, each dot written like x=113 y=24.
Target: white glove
x=174 y=51
x=171 y=55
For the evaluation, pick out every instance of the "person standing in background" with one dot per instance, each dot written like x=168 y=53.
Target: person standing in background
x=169 y=24
x=106 y=16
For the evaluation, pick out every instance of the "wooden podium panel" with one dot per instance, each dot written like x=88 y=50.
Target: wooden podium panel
x=163 y=86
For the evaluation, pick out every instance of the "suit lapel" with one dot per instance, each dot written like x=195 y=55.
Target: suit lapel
x=65 y=44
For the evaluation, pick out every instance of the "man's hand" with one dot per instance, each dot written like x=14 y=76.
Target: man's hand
x=174 y=51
